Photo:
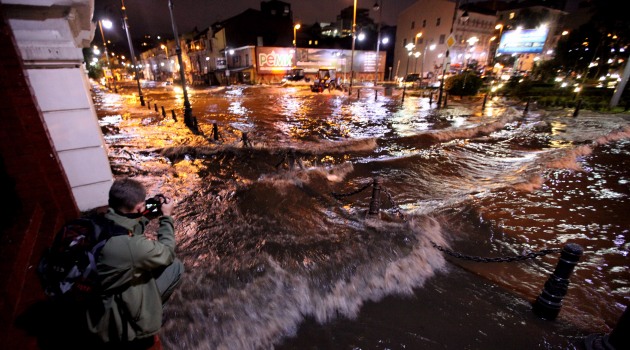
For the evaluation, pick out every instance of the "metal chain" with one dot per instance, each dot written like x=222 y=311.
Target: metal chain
x=340 y=195
x=530 y=255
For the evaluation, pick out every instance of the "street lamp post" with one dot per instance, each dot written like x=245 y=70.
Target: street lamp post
x=227 y=71
x=131 y=52
x=178 y=49
x=377 y=7
x=409 y=47
x=446 y=57
x=165 y=48
x=496 y=48
x=295 y=28
x=424 y=55
x=354 y=30
x=415 y=65
x=108 y=24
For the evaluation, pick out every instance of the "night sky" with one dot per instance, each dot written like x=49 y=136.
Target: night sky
x=152 y=16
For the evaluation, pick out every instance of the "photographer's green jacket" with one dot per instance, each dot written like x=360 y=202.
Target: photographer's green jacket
x=131 y=306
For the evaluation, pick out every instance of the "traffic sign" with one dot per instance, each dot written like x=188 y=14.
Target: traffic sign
x=450 y=41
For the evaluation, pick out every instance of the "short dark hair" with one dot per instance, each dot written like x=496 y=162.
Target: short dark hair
x=126 y=193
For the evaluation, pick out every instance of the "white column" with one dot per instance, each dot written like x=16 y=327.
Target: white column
x=50 y=36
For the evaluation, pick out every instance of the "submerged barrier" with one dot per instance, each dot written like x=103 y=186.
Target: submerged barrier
x=548 y=304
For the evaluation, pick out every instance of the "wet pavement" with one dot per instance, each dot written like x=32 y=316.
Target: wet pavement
x=270 y=257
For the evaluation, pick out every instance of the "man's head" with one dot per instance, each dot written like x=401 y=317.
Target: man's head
x=127 y=196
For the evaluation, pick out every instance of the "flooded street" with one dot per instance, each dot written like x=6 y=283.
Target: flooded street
x=279 y=234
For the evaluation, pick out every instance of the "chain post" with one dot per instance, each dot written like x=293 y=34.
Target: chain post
x=526 y=106
x=375 y=203
x=578 y=105
x=549 y=302
x=215 y=131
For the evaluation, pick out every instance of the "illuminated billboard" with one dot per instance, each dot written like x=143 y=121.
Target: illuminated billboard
x=523 y=41
x=280 y=59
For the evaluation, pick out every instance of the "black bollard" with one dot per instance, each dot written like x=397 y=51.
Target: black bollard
x=430 y=98
x=358 y=93
x=195 y=125
x=245 y=140
x=375 y=203
x=215 y=131
x=155 y=107
x=549 y=302
x=149 y=105
x=163 y=112
x=578 y=105
x=173 y=115
x=445 y=99
x=375 y=94
x=526 y=107
x=292 y=158
x=485 y=98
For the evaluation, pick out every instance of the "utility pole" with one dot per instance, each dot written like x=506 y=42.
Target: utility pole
x=378 y=8
x=182 y=75
x=354 y=29
x=131 y=52
x=446 y=57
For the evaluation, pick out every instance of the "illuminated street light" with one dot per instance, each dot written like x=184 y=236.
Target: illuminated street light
x=107 y=24
x=354 y=30
x=295 y=28
x=378 y=7
x=169 y=67
x=409 y=47
x=178 y=50
x=131 y=52
x=424 y=55
x=446 y=57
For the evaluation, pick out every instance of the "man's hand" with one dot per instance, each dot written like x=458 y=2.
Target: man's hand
x=168 y=206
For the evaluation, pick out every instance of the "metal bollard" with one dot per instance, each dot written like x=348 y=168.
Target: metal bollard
x=445 y=99
x=245 y=140
x=375 y=94
x=375 y=203
x=549 y=302
x=173 y=115
x=155 y=107
x=163 y=112
x=526 y=107
x=195 y=126
x=485 y=98
x=577 y=108
x=430 y=98
x=215 y=131
x=358 y=93
x=149 y=105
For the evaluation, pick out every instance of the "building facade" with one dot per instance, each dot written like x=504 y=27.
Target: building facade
x=429 y=22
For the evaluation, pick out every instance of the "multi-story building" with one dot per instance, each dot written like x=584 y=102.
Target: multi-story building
x=422 y=36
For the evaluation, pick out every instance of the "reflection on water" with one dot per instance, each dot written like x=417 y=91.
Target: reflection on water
x=267 y=245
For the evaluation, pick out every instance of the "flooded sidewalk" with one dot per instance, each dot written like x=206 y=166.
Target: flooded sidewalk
x=454 y=310
x=275 y=259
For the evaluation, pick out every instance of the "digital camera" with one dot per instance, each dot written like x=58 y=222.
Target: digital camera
x=153 y=206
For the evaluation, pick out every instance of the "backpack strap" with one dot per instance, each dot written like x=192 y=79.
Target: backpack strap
x=104 y=229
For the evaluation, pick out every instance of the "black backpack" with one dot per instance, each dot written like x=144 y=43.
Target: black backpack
x=67 y=269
